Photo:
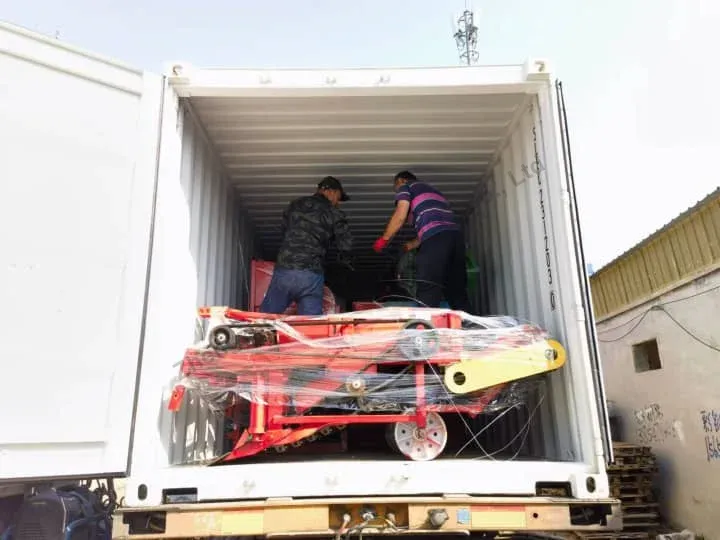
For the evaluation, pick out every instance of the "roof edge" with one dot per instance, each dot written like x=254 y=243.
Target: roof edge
x=645 y=241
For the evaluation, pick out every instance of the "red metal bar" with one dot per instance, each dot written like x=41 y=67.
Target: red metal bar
x=258 y=407
x=176 y=398
x=421 y=411
x=339 y=419
x=277 y=402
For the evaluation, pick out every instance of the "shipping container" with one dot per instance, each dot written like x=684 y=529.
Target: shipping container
x=129 y=199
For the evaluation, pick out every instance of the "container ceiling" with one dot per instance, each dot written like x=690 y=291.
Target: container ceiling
x=276 y=149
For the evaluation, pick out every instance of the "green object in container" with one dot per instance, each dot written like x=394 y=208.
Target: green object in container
x=473 y=272
x=407 y=271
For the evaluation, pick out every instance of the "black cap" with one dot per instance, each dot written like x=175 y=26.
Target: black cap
x=330 y=182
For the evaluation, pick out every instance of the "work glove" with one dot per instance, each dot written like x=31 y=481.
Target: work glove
x=379 y=245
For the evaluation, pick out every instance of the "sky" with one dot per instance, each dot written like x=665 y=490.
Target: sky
x=638 y=75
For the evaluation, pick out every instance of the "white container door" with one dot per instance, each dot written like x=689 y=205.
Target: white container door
x=78 y=142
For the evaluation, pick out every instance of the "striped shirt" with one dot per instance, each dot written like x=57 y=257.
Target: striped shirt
x=430 y=213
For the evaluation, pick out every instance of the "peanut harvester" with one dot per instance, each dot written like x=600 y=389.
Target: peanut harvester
x=287 y=380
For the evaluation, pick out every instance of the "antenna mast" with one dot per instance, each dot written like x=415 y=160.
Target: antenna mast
x=466 y=37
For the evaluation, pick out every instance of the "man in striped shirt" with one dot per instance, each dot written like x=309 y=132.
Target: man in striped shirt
x=441 y=257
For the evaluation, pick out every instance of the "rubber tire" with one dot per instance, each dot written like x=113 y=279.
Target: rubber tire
x=227 y=339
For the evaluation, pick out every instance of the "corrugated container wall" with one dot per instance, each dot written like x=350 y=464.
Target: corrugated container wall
x=220 y=239
x=522 y=259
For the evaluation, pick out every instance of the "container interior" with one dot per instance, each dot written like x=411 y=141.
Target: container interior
x=245 y=158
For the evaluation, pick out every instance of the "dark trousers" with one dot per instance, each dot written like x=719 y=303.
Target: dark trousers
x=441 y=271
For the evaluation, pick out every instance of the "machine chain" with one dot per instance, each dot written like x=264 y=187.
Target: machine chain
x=320 y=434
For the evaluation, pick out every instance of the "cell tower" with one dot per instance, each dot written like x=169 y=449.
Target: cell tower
x=466 y=38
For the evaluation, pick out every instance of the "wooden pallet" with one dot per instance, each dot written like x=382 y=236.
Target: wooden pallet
x=634 y=462
x=632 y=468
x=628 y=449
x=645 y=517
x=631 y=479
x=621 y=535
x=633 y=493
x=634 y=498
x=639 y=508
x=629 y=456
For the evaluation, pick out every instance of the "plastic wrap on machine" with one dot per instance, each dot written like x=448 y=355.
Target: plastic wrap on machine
x=284 y=380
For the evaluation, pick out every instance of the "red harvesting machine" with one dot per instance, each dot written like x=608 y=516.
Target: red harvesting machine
x=285 y=380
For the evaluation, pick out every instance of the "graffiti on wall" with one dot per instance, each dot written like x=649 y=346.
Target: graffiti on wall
x=648 y=422
x=711 y=426
x=652 y=427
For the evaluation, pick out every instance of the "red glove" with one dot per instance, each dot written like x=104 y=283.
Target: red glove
x=379 y=245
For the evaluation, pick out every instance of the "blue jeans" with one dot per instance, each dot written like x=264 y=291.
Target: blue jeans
x=301 y=286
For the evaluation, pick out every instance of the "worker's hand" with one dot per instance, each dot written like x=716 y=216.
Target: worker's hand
x=379 y=245
x=412 y=244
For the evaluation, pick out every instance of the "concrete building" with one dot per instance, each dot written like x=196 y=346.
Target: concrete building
x=658 y=320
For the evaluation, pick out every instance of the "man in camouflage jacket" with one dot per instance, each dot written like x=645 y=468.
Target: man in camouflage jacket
x=309 y=224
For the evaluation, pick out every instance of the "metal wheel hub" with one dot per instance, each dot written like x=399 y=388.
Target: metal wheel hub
x=421 y=444
x=419 y=341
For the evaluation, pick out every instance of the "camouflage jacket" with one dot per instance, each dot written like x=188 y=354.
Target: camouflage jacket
x=309 y=224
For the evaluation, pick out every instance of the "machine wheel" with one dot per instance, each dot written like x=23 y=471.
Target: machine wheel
x=390 y=437
x=420 y=444
x=222 y=338
x=420 y=341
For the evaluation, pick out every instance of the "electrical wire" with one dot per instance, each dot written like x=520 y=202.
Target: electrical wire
x=106 y=495
x=661 y=308
x=358 y=529
x=688 y=332
x=667 y=302
x=341 y=531
x=632 y=329
x=413 y=280
x=401 y=297
x=452 y=401
x=474 y=436
x=523 y=432
x=400 y=281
